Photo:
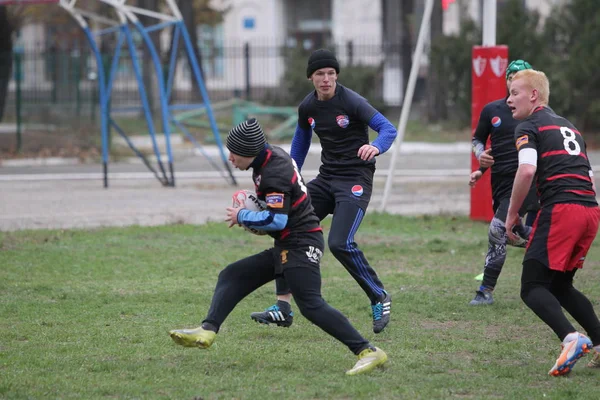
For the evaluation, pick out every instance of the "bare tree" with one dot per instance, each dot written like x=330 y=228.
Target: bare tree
x=407 y=14
x=436 y=92
x=195 y=13
x=189 y=19
x=148 y=72
x=6 y=56
x=12 y=18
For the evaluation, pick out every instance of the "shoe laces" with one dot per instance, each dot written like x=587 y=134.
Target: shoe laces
x=377 y=311
x=275 y=307
x=484 y=294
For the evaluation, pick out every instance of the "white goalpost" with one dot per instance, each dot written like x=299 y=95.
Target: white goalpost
x=407 y=101
x=489 y=39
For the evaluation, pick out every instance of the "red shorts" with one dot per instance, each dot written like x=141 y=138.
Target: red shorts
x=562 y=235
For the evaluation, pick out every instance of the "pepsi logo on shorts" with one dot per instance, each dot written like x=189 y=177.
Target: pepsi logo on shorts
x=343 y=121
x=357 y=190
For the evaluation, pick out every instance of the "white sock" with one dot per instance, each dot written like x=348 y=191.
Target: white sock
x=570 y=337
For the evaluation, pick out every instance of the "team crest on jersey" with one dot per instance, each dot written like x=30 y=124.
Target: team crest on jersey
x=357 y=190
x=496 y=121
x=521 y=141
x=343 y=121
x=311 y=122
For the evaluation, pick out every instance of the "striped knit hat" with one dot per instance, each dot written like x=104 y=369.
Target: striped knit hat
x=247 y=139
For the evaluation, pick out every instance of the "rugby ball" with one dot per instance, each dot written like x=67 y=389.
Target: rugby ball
x=249 y=200
x=522 y=232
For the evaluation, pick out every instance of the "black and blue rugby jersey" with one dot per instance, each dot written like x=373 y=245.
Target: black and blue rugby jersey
x=342 y=124
x=497 y=123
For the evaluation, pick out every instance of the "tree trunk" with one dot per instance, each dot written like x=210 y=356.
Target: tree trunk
x=189 y=19
x=6 y=57
x=149 y=76
x=436 y=91
x=406 y=41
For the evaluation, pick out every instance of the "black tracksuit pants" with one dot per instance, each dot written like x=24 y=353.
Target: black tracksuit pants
x=243 y=277
x=347 y=198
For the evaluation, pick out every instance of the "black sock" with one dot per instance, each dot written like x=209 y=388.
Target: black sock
x=369 y=346
x=207 y=326
x=490 y=277
x=284 y=307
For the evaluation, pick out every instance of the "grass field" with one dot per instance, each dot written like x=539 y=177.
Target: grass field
x=85 y=315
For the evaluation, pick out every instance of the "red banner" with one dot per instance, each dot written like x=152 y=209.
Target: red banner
x=488 y=70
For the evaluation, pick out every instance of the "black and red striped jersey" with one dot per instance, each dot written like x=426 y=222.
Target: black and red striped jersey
x=279 y=183
x=563 y=168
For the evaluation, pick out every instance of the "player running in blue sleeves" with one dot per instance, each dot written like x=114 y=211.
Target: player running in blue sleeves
x=341 y=119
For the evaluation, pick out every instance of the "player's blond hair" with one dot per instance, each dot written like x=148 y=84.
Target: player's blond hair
x=535 y=80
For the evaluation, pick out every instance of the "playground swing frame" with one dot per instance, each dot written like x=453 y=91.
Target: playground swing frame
x=127 y=17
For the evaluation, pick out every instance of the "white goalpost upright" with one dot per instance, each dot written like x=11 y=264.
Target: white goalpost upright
x=407 y=101
x=488 y=23
x=489 y=39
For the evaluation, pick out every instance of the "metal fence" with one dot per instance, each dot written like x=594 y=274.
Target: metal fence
x=63 y=83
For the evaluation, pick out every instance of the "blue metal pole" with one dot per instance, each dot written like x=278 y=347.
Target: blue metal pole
x=103 y=103
x=200 y=81
x=115 y=64
x=173 y=61
x=162 y=95
x=144 y=99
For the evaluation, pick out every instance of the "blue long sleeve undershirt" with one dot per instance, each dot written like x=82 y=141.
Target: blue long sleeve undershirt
x=386 y=132
x=300 y=145
x=386 y=135
x=263 y=220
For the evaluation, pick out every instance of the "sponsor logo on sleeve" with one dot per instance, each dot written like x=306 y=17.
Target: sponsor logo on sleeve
x=274 y=200
x=311 y=122
x=521 y=141
x=496 y=122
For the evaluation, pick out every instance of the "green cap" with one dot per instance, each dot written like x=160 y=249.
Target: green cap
x=516 y=66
